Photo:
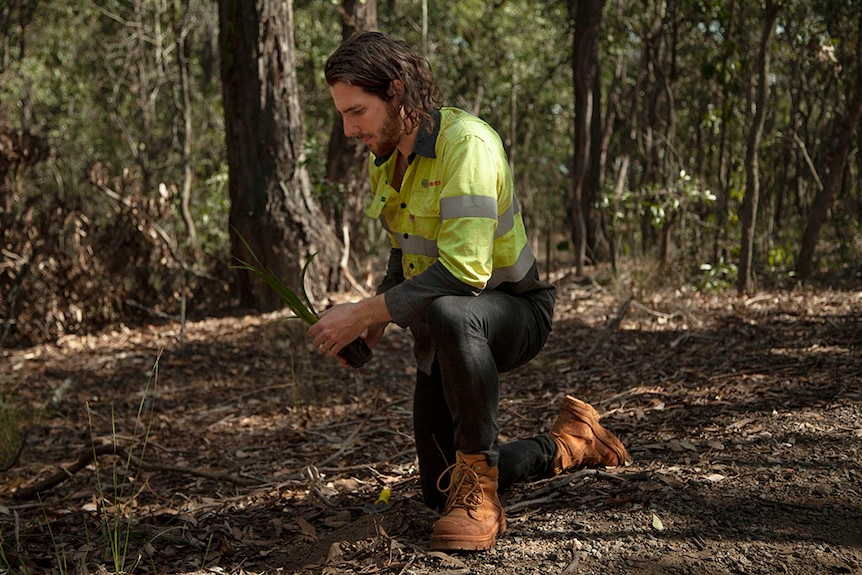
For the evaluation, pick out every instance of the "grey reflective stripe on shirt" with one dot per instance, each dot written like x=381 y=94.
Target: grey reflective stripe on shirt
x=419 y=246
x=480 y=207
x=468 y=207
x=413 y=245
x=516 y=271
x=506 y=220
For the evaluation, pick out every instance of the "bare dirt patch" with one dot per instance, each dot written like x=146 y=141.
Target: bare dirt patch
x=743 y=416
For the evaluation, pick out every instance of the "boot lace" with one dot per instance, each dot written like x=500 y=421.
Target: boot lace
x=464 y=488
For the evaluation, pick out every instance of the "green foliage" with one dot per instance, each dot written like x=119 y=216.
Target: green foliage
x=211 y=213
x=716 y=277
x=664 y=204
x=780 y=259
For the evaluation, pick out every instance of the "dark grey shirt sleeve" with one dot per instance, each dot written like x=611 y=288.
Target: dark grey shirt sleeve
x=407 y=300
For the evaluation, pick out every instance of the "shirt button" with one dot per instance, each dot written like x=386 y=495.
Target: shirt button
x=406 y=236
x=403 y=205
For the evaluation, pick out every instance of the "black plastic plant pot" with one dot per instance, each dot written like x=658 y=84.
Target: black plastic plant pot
x=356 y=353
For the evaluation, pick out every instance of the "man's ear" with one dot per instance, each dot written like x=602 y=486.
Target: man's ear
x=396 y=89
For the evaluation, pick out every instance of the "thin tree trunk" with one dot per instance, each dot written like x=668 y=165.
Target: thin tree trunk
x=597 y=243
x=607 y=216
x=182 y=49
x=725 y=165
x=648 y=135
x=588 y=19
x=750 y=203
x=837 y=158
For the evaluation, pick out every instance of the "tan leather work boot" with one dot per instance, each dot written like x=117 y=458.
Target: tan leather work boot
x=581 y=440
x=474 y=516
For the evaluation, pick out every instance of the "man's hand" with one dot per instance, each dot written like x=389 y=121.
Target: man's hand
x=374 y=333
x=342 y=323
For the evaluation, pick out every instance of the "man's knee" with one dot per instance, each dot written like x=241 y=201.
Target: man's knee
x=448 y=315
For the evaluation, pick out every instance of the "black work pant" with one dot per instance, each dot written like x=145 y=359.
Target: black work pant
x=455 y=406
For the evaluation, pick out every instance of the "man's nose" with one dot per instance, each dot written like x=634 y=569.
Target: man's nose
x=351 y=130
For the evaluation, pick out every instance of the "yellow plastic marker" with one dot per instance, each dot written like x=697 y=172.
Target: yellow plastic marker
x=383 y=499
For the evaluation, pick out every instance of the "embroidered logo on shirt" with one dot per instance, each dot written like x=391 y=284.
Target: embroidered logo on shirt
x=430 y=184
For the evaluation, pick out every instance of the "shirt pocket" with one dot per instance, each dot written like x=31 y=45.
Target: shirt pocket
x=425 y=204
x=423 y=210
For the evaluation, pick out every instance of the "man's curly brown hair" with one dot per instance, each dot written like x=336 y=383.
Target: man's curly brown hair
x=372 y=61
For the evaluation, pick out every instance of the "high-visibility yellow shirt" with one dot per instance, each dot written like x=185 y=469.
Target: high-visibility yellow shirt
x=456 y=204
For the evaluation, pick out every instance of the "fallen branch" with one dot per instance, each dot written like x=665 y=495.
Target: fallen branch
x=90 y=454
x=612 y=327
x=550 y=492
x=345 y=445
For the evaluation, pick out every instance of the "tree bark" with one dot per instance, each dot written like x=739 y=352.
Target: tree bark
x=751 y=200
x=588 y=20
x=836 y=160
x=270 y=192
x=598 y=248
x=650 y=132
x=182 y=47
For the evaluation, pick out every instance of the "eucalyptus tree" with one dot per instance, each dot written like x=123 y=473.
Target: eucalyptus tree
x=272 y=205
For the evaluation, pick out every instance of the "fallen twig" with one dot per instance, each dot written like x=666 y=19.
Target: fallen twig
x=89 y=454
x=573 y=565
x=345 y=445
x=612 y=327
x=549 y=491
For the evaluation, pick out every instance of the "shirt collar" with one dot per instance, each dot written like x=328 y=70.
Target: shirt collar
x=426 y=140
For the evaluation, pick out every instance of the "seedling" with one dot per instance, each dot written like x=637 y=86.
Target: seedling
x=356 y=353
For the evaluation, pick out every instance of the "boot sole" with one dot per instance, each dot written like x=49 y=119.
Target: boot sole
x=588 y=414
x=461 y=544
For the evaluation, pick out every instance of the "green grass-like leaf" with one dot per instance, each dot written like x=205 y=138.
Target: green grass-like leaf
x=303 y=309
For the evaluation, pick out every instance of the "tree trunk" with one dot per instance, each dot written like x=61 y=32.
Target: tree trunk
x=649 y=135
x=347 y=158
x=271 y=202
x=182 y=46
x=724 y=165
x=837 y=158
x=608 y=231
x=597 y=243
x=588 y=20
x=751 y=200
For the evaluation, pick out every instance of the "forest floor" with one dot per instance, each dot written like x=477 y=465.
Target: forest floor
x=244 y=453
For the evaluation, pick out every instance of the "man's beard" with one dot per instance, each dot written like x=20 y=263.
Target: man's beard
x=390 y=134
